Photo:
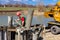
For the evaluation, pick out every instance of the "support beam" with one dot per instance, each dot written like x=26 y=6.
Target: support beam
x=29 y=19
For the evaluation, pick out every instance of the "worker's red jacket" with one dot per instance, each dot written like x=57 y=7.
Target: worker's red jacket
x=22 y=19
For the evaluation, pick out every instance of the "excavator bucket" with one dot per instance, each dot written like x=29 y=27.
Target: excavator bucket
x=46 y=14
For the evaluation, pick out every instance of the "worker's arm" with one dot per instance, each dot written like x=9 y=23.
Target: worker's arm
x=22 y=22
x=18 y=22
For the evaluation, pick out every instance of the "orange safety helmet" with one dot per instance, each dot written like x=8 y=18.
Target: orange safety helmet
x=18 y=13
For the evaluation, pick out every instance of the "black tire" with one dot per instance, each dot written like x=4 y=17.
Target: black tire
x=55 y=30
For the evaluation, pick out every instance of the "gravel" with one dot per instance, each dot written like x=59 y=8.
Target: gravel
x=49 y=36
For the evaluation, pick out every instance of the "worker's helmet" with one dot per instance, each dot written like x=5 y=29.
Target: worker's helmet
x=18 y=13
x=58 y=3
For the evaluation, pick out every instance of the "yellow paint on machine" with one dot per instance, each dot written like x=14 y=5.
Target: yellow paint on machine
x=53 y=23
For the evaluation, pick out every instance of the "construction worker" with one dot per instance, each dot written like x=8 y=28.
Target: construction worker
x=21 y=18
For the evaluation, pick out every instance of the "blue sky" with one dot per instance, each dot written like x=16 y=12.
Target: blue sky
x=46 y=2
x=32 y=2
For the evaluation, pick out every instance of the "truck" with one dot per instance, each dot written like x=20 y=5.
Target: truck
x=54 y=26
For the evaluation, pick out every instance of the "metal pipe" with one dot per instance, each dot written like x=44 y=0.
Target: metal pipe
x=10 y=21
x=5 y=35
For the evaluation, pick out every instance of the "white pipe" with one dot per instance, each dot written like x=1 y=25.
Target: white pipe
x=19 y=36
x=5 y=36
x=0 y=36
x=35 y=36
x=9 y=19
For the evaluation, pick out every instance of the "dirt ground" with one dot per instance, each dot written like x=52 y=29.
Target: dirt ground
x=49 y=36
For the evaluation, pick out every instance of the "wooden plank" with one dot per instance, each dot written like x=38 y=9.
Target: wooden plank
x=11 y=30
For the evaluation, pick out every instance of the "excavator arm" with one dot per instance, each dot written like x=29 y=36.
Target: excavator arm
x=48 y=14
x=55 y=13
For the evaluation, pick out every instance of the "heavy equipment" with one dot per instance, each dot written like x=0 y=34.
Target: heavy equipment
x=54 y=13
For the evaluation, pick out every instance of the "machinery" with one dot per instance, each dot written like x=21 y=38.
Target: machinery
x=54 y=13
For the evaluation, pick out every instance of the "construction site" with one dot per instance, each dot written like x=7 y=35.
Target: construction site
x=30 y=23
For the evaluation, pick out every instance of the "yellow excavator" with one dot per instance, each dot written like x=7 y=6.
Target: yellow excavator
x=55 y=13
